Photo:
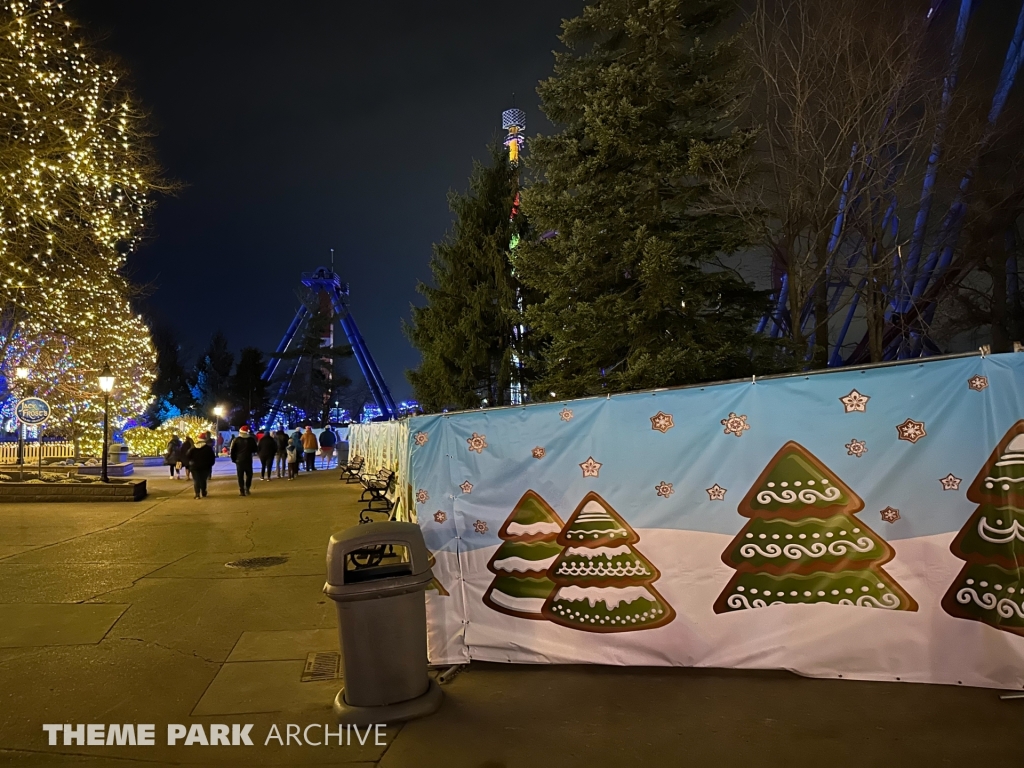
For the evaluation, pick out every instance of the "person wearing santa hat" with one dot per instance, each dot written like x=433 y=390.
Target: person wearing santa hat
x=242 y=449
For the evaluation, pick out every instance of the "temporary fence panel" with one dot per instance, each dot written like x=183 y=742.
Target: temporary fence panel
x=385 y=445
x=863 y=524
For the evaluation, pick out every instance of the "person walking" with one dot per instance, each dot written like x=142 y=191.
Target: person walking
x=172 y=456
x=266 y=447
x=296 y=440
x=282 y=451
x=327 y=442
x=200 y=460
x=187 y=445
x=309 y=446
x=242 y=449
x=293 y=460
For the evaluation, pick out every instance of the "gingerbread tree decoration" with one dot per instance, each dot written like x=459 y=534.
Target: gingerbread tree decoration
x=803 y=544
x=603 y=584
x=520 y=564
x=989 y=586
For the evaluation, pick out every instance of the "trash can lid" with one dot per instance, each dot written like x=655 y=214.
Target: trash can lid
x=377 y=560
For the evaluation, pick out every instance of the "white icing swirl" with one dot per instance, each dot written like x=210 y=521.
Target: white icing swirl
x=965 y=595
x=753 y=550
x=995 y=535
x=795 y=551
x=767 y=497
x=1008 y=609
x=889 y=601
x=806 y=495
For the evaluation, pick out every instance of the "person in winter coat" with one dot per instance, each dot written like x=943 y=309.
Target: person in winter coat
x=327 y=442
x=309 y=445
x=282 y=451
x=296 y=440
x=186 y=446
x=200 y=460
x=172 y=456
x=293 y=460
x=266 y=447
x=242 y=449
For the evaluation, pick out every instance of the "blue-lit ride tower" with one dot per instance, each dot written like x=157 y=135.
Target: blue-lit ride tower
x=328 y=287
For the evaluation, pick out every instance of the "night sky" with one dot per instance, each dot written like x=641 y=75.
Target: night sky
x=296 y=128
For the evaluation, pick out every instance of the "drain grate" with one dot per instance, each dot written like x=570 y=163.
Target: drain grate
x=322 y=665
x=256 y=562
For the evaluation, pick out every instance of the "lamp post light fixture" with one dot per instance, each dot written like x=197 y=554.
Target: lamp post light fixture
x=218 y=413
x=21 y=373
x=106 y=385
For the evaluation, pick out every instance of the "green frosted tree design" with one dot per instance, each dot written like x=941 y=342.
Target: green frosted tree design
x=803 y=545
x=520 y=564
x=989 y=587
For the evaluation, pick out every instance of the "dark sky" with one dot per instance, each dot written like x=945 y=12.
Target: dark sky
x=298 y=127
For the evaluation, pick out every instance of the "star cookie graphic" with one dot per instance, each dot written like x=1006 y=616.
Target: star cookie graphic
x=890 y=515
x=602 y=583
x=440 y=517
x=467 y=487
x=911 y=430
x=420 y=438
x=538 y=452
x=591 y=468
x=803 y=545
x=521 y=563
x=662 y=422
x=854 y=402
x=977 y=382
x=565 y=414
x=477 y=442
x=716 y=492
x=664 y=489
x=735 y=425
x=856 y=448
x=950 y=482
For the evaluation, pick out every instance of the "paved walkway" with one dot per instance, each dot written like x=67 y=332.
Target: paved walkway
x=127 y=613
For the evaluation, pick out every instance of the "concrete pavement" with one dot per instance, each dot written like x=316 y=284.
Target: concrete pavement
x=129 y=613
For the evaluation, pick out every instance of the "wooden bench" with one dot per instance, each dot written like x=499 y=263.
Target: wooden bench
x=351 y=472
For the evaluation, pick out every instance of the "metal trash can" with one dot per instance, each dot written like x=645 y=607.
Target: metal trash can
x=376 y=575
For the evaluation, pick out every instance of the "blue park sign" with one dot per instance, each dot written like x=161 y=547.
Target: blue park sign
x=32 y=411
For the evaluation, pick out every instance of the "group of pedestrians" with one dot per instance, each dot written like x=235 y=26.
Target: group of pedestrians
x=278 y=448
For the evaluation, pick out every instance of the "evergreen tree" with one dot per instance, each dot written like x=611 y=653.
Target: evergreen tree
x=171 y=394
x=631 y=292
x=465 y=332
x=210 y=377
x=248 y=389
x=319 y=377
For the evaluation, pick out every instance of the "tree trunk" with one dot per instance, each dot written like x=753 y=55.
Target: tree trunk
x=997 y=270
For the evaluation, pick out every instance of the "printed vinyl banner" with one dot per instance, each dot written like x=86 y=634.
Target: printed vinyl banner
x=863 y=524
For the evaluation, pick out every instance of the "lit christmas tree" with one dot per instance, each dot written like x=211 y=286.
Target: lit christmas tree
x=803 y=545
x=77 y=174
x=603 y=584
x=989 y=587
x=521 y=563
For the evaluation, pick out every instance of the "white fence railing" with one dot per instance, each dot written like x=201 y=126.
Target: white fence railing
x=62 y=450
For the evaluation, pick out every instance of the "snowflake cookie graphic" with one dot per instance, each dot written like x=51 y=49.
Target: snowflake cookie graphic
x=735 y=425
x=662 y=422
x=480 y=526
x=538 y=453
x=664 y=489
x=977 y=383
x=856 y=448
x=565 y=414
x=716 y=492
x=421 y=496
x=890 y=515
x=440 y=517
x=420 y=438
x=854 y=402
x=911 y=430
x=477 y=443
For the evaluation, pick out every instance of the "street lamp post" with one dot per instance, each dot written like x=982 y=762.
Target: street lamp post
x=21 y=373
x=106 y=385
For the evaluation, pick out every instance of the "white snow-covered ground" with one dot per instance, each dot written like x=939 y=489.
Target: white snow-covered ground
x=817 y=640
